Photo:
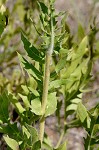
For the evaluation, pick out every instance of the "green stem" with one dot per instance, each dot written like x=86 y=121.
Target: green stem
x=65 y=115
x=90 y=137
x=60 y=140
x=46 y=82
x=45 y=94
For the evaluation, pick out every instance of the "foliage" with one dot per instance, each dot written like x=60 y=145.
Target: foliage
x=66 y=66
x=10 y=41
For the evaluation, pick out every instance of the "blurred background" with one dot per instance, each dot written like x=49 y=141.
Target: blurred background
x=82 y=15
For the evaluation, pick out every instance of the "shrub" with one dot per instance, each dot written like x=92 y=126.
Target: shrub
x=58 y=67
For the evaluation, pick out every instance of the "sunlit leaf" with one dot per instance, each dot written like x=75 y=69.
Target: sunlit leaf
x=25 y=100
x=51 y=104
x=25 y=88
x=71 y=68
x=13 y=144
x=88 y=122
x=25 y=131
x=82 y=112
x=95 y=130
x=71 y=107
x=35 y=92
x=62 y=147
x=16 y=103
x=82 y=47
x=58 y=83
x=3 y=18
x=36 y=106
x=76 y=100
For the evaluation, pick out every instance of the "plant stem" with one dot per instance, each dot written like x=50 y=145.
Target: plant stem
x=90 y=136
x=60 y=140
x=65 y=115
x=45 y=94
x=46 y=82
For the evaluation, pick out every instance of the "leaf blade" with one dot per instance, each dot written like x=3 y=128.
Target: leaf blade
x=82 y=112
x=30 y=49
x=51 y=104
x=13 y=144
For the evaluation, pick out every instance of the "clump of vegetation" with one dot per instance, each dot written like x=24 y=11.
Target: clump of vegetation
x=57 y=67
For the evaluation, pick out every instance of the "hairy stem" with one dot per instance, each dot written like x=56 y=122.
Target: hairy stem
x=45 y=94
x=46 y=82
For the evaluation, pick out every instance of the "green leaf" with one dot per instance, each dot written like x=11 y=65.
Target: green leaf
x=95 y=130
x=82 y=112
x=31 y=50
x=11 y=130
x=82 y=68
x=36 y=106
x=3 y=15
x=58 y=83
x=1 y=29
x=4 y=103
x=25 y=88
x=51 y=104
x=37 y=146
x=79 y=95
x=60 y=65
x=82 y=47
x=46 y=146
x=62 y=147
x=32 y=83
x=13 y=144
x=43 y=7
x=25 y=100
x=71 y=85
x=2 y=9
x=95 y=112
x=77 y=73
x=81 y=32
x=65 y=27
x=47 y=142
x=30 y=68
x=34 y=91
x=71 y=68
x=16 y=103
x=52 y=1
x=25 y=131
x=76 y=100
x=71 y=107
x=33 y=132
x=88 y=122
